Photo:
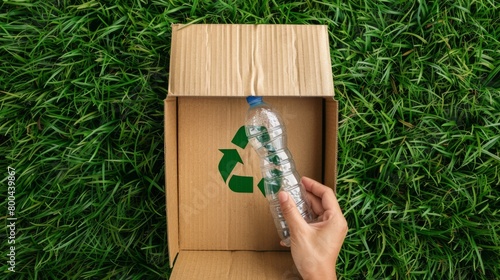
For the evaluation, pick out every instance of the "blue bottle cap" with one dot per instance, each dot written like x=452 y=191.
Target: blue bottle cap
x=254 y=100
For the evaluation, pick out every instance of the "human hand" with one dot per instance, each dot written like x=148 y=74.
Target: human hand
x=315 y=247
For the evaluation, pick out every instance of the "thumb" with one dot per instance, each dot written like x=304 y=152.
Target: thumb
x=290 y=212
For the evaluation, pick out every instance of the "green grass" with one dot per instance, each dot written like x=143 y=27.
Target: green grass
x=81 y=121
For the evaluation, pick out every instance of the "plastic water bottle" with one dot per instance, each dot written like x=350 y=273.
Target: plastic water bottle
x=266 y=133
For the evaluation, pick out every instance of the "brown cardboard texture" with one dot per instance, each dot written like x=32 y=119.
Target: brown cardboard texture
x=218 y=219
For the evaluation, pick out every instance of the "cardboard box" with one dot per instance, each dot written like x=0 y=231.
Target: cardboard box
x=219 y=222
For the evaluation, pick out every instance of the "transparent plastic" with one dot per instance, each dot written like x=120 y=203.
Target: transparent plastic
x=267 y=134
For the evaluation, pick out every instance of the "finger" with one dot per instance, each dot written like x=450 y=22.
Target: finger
x=315 y=203
x=290 y=212
x=328 y=199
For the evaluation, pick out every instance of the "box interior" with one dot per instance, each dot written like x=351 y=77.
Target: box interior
x=204 y=212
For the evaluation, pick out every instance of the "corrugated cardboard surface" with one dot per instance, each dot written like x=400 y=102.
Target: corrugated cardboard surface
x=171 y=175
x=330 y=148
x=217 y=233
x=234 y=265
x=211 y=216
x=242 y=60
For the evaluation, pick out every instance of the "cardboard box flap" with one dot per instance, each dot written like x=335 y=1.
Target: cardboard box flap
x=330 y=144
x=172 y=196
x=243 y=60
x=222 y=265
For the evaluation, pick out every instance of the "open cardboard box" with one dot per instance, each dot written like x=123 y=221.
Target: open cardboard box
x=219 y=223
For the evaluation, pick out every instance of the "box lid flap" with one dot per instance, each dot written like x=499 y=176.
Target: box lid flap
x=234 y=265
x=242 y=60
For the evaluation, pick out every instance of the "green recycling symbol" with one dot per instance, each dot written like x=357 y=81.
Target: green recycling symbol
x=229 y=160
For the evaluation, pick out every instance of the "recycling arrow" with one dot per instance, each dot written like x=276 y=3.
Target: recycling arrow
x=240 y=139
x=229 y=160
x=261 y=186
x=243 y=184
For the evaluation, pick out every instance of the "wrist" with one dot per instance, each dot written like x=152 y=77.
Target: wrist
x=322 y=274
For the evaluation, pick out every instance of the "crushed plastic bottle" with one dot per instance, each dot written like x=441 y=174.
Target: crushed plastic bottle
x=267 y=134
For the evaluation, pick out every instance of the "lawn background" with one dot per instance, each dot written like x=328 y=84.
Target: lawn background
x=81 y=121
